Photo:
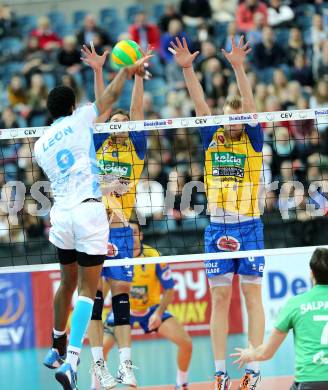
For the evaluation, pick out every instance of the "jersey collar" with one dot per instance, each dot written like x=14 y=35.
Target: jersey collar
x=58 y=120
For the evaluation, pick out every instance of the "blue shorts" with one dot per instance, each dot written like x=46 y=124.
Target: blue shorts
x=120 y=246
x=141 y=320
x=232 y=237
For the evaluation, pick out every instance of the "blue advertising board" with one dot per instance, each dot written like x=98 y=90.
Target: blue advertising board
x=16 y=312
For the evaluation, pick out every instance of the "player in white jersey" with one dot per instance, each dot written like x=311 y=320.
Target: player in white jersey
x=79 y=230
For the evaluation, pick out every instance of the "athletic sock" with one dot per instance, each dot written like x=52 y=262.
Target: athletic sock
x=255 y=366
x=182 y=377
x=59 y=342
x=125 y=354
x=79 y=325
x=94 y=382
x=220 y=366
x=58 y=333
x=97 y=353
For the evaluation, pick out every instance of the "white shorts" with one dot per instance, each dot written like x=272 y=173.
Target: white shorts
x=83 y=228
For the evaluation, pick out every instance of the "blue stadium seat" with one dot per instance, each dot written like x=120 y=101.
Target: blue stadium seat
x=49 y=80
x=158 y=11
x=64 y=30
x=11 y=45
x=26 y=23
x=107 y=15
x=220 y=31
x=304 y=22
x=282 y=36
x=156 y=67
x=38 y=120
x=132 y=10
x=78 y=18
x=125 y=98
x=158 y=88
x=56 y=18
x=116 y=27
x=8 y=70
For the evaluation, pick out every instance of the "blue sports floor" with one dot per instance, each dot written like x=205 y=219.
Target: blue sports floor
x=23 y=370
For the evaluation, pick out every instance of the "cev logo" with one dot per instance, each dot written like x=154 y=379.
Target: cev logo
x=12 y=303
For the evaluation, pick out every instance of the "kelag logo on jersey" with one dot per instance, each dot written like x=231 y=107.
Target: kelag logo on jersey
x=115 y=168
x=16 y=312
x=228 y=164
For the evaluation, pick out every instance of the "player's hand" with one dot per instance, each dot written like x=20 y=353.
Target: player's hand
x=140 y=67
x=113 y=187
x=155 y=321
x=91 y=58
x=244 y=355
x=238 y=53
x=147 y=53
x=181 y=52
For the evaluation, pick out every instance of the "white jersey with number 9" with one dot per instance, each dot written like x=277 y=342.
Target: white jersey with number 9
x=66 y=154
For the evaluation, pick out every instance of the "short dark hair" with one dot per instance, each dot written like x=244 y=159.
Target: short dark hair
x=119 y=111
x=234 y=102
x=319 y=265
x=61 y=101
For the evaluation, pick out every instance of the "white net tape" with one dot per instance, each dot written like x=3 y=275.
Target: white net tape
x=178 y=123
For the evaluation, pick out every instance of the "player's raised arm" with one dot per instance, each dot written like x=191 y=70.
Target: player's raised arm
x=262 y=352
x=237 y=58
x=185 y=59
x=96 y=62
x=112 y=92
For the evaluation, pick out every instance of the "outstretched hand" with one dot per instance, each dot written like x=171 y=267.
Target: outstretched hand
x=238 y=53
x=91 y=58
x=243 y=355
x=140 y=67
x=182 y=53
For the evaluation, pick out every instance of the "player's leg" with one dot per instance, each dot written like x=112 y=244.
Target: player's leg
x=88 y=277
x=99 y=368
x=121 y=309
x=121 y=242
x=108 y=343
x=221 y=290
x=62 y=305
x=250 y=271
x=174 y=331
x=62 y=237
x=90 y=229
x=220 y=275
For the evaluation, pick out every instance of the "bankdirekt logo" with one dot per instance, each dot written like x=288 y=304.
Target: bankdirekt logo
x=12 y=303
x=321 y=112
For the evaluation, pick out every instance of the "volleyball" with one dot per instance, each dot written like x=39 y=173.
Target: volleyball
x=125 y=53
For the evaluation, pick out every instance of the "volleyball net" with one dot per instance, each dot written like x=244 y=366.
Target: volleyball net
x=172 y=190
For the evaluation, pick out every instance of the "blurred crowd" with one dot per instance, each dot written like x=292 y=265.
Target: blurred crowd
x=288 y=69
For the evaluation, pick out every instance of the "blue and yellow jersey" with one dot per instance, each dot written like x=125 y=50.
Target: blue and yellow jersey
x=124 y=162
x=232 y=170
x=147 y=282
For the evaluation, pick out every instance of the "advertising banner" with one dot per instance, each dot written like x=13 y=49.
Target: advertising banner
x=192 y=302
x=26 y=305
x=17 y=328
x=284 y=277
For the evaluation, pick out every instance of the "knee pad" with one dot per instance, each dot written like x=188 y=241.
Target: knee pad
x=98 y=307
x=250 y=279
x=221 y=280
x=121 y=309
